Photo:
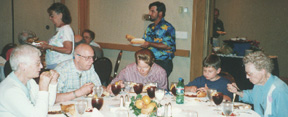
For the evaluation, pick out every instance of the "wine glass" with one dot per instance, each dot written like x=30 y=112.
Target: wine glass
x=81 y=106
x=97 y=102
x=116 y=88
x=173 y=88
x=217 y=99
x=151 y=91
x=227 y=108
x=159 y=94
x=210 y=92
x=138 y=88
x=98 y=90
x=127 y=87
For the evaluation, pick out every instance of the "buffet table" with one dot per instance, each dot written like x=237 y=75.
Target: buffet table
x=200 y=105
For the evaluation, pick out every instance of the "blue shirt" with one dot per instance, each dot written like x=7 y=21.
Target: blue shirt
x=163 y=33
x=270 y=100
x=220 y=85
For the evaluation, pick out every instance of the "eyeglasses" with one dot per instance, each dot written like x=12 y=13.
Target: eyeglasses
x=88 y=57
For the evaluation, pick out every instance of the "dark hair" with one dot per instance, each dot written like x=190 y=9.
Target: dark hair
x=212 y=60
x=91 y=33
x=160 y=7
x=61 y=8
x=215 y=9
x=146 y=55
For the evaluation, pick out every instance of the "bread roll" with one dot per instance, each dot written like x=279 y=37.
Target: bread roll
x=201 y=94
x=129 y=37
x=137 y=41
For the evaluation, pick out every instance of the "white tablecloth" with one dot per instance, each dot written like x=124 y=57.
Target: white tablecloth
x=202 y=108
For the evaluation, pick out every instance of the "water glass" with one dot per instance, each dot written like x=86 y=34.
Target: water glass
x=227 y=108
x=159 y=94
x=98 y=90
x=81 y=106
x=127 y=88
x=209 y=94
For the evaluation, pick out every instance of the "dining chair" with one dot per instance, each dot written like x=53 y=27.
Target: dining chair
x=117 y=64
x=227 y=76
x=103 y=67
x=7 y=68
x=6 y=48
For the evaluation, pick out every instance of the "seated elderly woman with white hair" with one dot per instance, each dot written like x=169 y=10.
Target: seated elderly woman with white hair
x=20 y=95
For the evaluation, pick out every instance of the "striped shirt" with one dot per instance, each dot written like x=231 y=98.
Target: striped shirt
x=156 y=75
x=70 y=77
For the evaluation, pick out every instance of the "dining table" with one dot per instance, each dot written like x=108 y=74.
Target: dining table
x=201 y=105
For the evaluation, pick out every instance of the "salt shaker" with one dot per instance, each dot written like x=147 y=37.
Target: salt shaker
x=121 y=101
x=169 y=110
x=127 y=101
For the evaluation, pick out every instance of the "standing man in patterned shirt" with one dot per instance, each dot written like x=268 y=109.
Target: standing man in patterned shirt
x=77 y=76
x=160 y=37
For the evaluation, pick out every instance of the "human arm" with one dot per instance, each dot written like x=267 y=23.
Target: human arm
x=233 y=89
x=190 y=88
x=84 y=90
x=66 y=49
x=53 y=87
x=156 y=45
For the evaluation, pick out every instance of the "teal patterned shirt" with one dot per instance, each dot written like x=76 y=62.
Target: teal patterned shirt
x=164 y=33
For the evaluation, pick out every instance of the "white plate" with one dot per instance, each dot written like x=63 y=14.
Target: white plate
x=136 y=44
x=241 y=106
x=235 y=114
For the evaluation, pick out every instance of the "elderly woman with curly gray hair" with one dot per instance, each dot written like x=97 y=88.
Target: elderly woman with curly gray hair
x=269 y=94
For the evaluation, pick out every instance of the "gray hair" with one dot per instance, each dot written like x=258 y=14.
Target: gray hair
x=259 y=60
x=23 y=54
x=24 y=35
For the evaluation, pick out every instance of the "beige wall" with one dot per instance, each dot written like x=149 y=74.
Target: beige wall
x=113 y=19
x=263 y=20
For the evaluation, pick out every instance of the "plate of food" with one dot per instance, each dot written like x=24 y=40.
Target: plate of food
x=137 y=42
x=242 y=106
x=198 y=94
x=231 y=115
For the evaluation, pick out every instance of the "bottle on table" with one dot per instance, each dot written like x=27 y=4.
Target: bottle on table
x=180 y=92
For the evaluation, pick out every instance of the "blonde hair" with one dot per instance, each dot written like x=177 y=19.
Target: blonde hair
x=23 y=54
x=260 y=60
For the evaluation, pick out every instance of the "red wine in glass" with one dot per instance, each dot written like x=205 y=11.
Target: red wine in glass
x=97 y=103
x=217 y=98
x=116 y=89
x=173 y=90
x=151 y=91
x=138 y=88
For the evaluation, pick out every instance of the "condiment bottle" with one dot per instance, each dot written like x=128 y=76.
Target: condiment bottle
x=121 y=101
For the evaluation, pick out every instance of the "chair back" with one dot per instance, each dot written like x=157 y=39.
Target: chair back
x=7 y=68
x=6 y=48
x=227 y=76
x=103 y=67
x=117 y=64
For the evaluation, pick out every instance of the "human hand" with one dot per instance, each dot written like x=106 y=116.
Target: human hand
x=55 y=75
x=233 y=88
x=146 y=44
x=86 y=89
x=44 y=81
x=190 y=89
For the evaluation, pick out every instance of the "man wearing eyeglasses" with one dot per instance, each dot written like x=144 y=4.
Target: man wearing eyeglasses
x=77 y=76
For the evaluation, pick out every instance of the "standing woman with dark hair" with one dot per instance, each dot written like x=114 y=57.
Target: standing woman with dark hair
x=60 y=47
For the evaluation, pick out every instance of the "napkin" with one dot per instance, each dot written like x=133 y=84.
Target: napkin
x=96 y=113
